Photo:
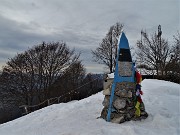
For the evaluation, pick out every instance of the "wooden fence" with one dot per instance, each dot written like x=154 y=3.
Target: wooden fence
x=63 y=98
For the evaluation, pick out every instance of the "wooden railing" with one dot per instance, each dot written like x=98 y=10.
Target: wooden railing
x=63 y=98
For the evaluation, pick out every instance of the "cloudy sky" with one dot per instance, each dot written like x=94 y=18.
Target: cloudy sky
x=82 y=24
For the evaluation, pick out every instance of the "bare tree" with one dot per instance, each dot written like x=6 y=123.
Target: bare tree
x=173 y=65
x=31 y=73
x=107 y=51
x=176 y=47
x=153 y=52
x=69 y=81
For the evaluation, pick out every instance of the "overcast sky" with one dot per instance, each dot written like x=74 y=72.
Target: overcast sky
x=82 y=24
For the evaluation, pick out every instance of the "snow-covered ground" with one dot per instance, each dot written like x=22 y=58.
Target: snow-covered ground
x=162 y=102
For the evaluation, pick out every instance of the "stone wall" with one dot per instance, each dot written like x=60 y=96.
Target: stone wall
x=123 y=106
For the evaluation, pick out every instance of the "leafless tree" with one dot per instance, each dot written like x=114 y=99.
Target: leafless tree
x=31 y=73
x=107 y=51
x=176 y=47
x=153 y=52
x=69 y=81
x=173 y=66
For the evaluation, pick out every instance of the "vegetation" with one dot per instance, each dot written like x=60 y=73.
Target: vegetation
x=107 y=51
x=157 y=56
x=50 y=70
x=45 y=71
x=154 y=52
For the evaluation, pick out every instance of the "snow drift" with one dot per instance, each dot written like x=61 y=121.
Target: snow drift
x=162 y=102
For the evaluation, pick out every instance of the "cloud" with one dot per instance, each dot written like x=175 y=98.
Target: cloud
x=82 y=24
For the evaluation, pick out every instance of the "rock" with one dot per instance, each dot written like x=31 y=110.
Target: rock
x=125 y=86
x=119 y=103
x=129 y=108
x=107 y=83
x=128 y=117
x=124 y=93
x=118 y=120
x=123 y=111
x=106 y=101
x=132 y=112
x=123 y=106
x=107 y=92
x=144 y=115
x=104 y=113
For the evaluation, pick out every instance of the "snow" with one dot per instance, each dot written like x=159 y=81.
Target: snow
x=162 y=102
x=111 y=75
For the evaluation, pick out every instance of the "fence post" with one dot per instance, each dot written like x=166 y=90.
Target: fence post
x=24 y=109
x=48 y=102
x=78 y=95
